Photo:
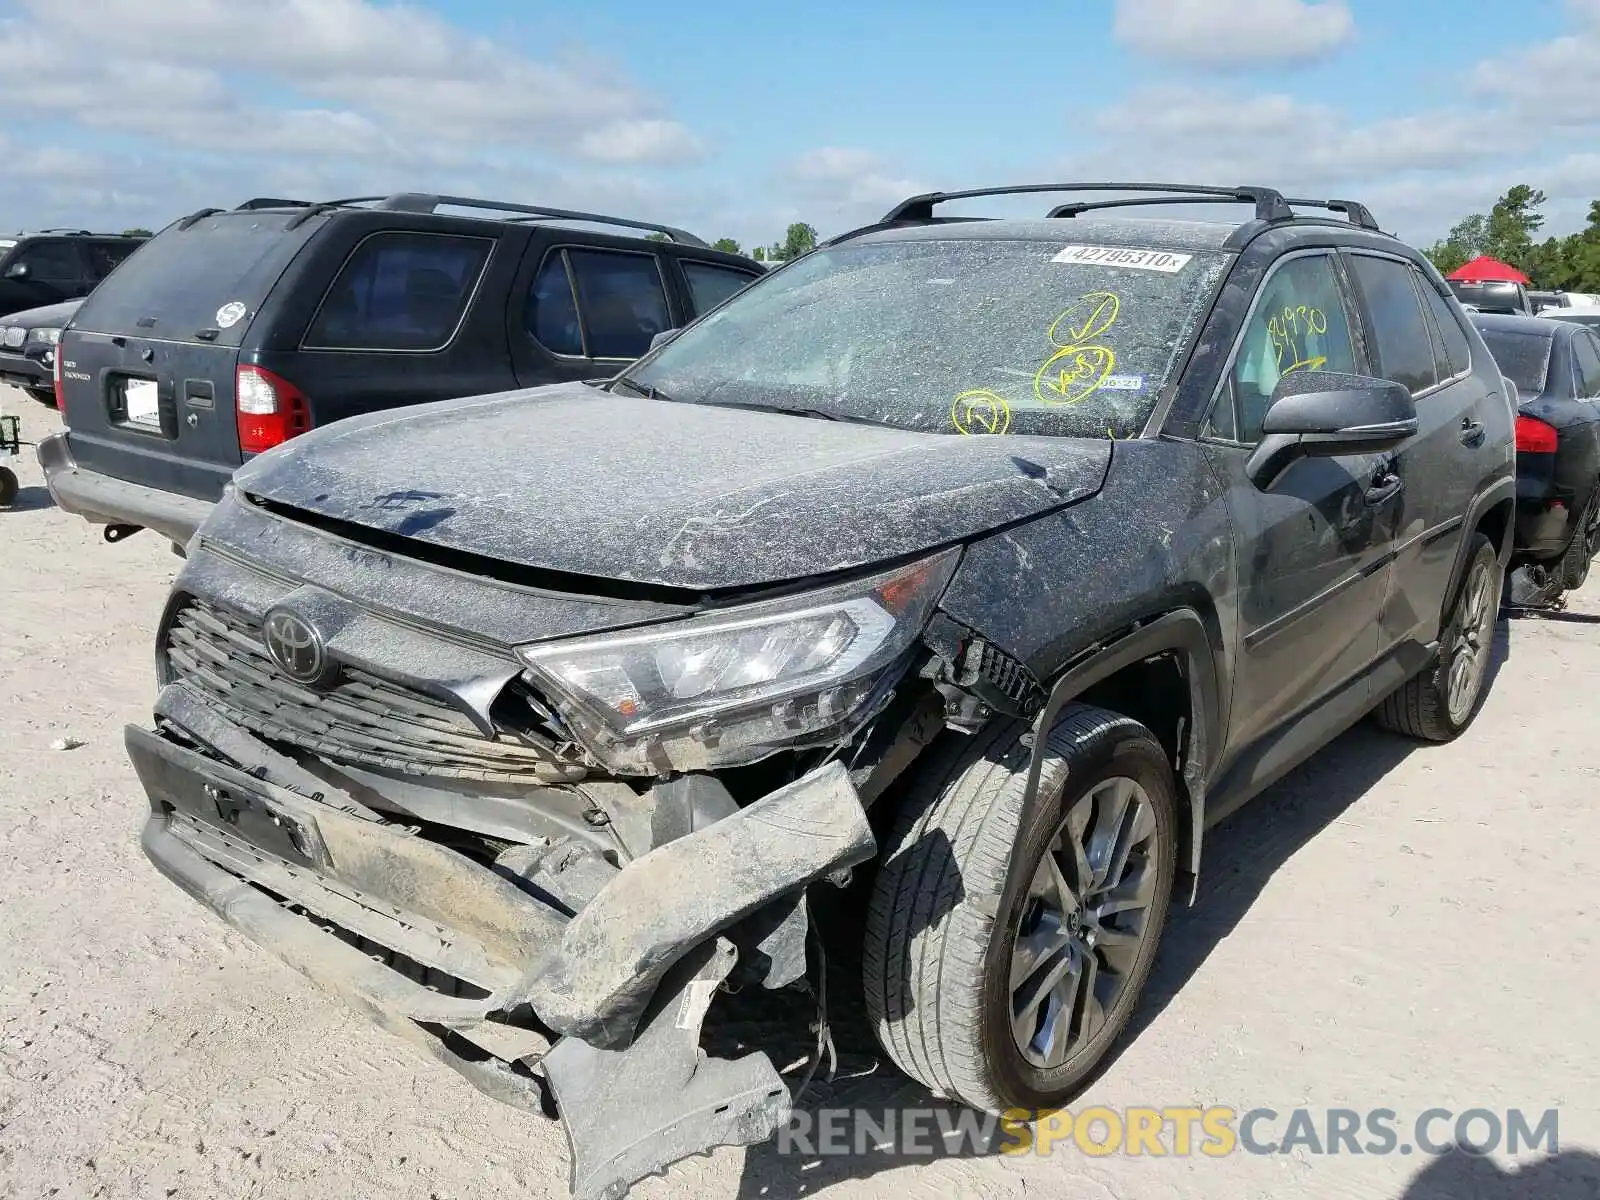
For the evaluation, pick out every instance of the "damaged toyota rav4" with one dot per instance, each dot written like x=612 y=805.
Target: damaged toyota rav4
x=967 y=568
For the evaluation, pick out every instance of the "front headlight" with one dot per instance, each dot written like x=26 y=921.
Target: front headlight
x=14 y=336
x=49 y=337
x=732 y=687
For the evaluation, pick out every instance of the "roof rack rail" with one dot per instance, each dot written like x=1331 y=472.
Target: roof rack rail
x=420 y=202
x=271 y=202
x=70 y=232
x=196 y=217
x=1270 y=204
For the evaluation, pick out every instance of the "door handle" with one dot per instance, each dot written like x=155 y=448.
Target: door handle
x=1384 y=489
x=1471 y=432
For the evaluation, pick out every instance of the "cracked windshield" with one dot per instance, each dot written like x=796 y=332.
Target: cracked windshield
x=964 y=336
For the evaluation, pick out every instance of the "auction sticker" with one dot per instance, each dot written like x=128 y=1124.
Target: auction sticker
x=1122 y=383
x=230 y=314
x=1121 y=256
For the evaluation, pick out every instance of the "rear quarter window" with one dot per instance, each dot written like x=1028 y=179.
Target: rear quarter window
x=400 y=291
x=710 y=284
x=183 y=281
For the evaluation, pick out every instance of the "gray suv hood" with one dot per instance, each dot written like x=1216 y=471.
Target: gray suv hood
x=573 y=479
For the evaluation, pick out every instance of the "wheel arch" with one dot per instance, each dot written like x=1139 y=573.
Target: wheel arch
x=1163 y=673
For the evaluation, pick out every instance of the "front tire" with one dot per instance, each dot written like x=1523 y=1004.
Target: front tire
x=1438 y=704
x=1016 y=1009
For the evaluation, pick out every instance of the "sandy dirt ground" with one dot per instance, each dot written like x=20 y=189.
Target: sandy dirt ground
x=1392 y=927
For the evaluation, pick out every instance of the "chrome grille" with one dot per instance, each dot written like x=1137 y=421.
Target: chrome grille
x=361 y=720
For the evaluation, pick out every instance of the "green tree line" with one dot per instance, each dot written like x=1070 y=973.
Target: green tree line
x=1507 y=232
x=797 y=239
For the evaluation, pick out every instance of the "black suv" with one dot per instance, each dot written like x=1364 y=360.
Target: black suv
x=57 y=264
x=995 y=559
x=235 y=331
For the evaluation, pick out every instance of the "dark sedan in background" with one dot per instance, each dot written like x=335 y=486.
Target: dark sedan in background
x=28 y=348
x=1555 y=366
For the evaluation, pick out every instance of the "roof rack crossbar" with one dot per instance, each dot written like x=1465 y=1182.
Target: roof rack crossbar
x=1269 y=202
x=425 y=203
x=1358 y=213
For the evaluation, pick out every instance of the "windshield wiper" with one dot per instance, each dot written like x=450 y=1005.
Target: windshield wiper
x=648 y=390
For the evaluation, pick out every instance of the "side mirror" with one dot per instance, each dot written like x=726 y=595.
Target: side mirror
x=662 y=338
x=17 y=271
x=1319 y=414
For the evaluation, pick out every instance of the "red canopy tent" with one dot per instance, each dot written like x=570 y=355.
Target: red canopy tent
x=1484 y=269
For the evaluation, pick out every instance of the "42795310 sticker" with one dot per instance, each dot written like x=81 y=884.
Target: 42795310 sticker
x=1165 y=261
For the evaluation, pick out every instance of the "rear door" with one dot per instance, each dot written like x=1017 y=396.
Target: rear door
x=585 y=309
x=147 y=367
x=1440 y=469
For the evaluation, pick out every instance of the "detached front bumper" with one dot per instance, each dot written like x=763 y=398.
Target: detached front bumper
x=106 y=500
x=603 y=1007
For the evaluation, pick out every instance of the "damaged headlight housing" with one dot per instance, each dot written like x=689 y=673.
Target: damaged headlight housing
x=732 y=687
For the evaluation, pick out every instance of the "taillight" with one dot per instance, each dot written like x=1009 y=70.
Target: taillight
x=1535 y=436
x=269 y=409
x=55 y=370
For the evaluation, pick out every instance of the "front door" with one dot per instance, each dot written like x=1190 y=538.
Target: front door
x=1311 y=549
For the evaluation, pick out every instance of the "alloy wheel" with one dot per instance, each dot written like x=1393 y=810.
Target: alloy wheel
x=1084 y=920
x=1469 y=657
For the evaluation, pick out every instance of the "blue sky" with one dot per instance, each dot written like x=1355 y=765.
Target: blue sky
x=735 y=119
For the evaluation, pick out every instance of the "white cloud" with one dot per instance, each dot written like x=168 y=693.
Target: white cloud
x=368 y=79
x=1233 y=32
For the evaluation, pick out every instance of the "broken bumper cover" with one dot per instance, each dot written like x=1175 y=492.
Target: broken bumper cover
x=604 y=1009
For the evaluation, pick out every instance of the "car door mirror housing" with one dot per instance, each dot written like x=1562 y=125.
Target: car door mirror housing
x=1319 y=414
x=17 y=271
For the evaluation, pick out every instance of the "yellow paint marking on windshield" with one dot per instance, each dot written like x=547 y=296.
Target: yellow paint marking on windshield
x=1087 y=317
x=1072 y=373
x=980 y=411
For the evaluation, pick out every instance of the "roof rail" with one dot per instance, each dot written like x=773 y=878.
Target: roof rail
x=419 y=202
x=71 y=232
x=271 y=202
x=1270 y=204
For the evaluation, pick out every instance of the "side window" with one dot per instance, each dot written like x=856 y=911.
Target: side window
x=54 y=263
x=400 y=291
x=1397 y=332
x=1457 y=353
x=104 y=257
x=710 y=285
x=622 y=300
x=1586 y=365
x=1298 y=324
x=550 y=314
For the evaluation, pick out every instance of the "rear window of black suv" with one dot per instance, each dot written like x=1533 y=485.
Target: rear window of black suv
x=400 y=290
x=210 y=277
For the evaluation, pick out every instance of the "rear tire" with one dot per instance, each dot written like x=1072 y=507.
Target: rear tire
x=942 y=962
x=8 y=487
x=1581 y=550
x=1438 y=704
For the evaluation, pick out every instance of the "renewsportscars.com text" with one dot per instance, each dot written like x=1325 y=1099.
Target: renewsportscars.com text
x=1179 y=1131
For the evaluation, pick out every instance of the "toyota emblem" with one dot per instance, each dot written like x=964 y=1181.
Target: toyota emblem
x=296 y=646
